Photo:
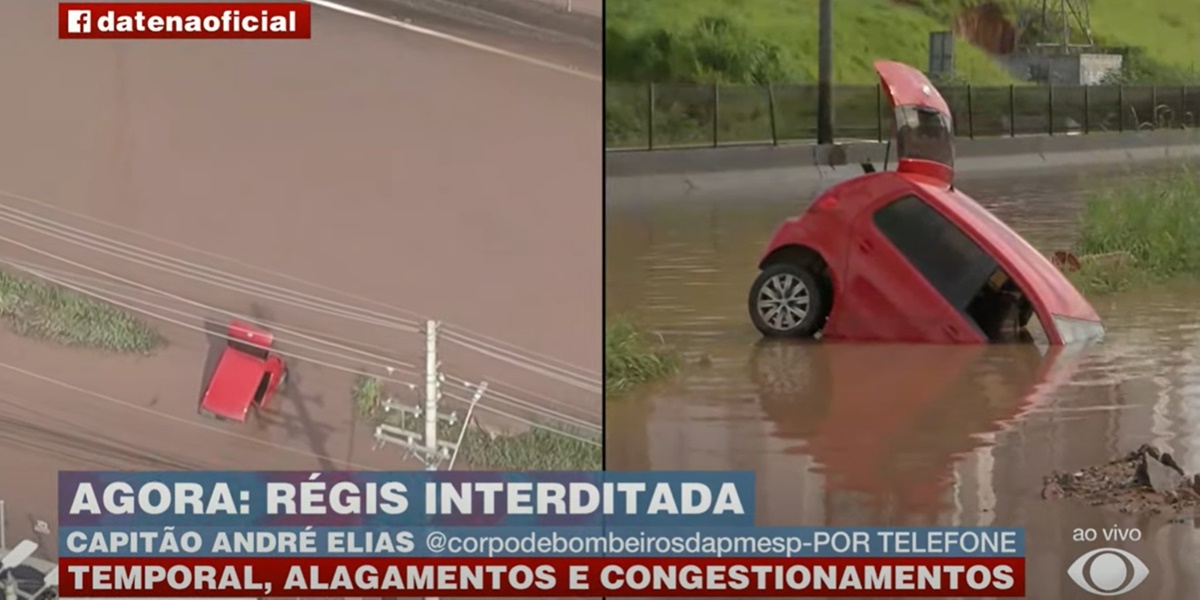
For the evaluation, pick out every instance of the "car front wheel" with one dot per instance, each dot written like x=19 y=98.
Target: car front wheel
x=786 y=300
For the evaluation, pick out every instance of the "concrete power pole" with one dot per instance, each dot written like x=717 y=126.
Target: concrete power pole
x=433 y=391
x=423 y=442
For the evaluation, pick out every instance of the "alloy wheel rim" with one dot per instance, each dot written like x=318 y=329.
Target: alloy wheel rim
x=784 y=301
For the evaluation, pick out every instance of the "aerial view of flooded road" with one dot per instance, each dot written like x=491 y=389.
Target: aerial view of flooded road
x=855 y=435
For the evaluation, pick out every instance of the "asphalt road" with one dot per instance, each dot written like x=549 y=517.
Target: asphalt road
x=540 y=28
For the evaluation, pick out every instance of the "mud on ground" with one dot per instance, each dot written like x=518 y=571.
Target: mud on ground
x=1145 y=481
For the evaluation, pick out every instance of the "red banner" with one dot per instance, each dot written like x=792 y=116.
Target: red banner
x=185 y=20
x=540 y=577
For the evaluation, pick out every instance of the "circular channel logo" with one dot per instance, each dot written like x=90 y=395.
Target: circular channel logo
x=1108 y=572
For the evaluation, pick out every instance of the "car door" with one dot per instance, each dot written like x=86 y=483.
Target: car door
x=903 y=277
x=274 y=370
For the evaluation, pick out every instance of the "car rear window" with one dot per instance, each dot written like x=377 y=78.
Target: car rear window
x=952 y=263
x=255 y=351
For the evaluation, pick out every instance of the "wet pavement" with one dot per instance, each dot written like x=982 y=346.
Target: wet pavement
x=843 y=434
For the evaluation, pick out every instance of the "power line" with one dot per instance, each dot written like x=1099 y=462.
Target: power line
x=189 y=422
x=108 y=297
x=279 y=331
x=188 y=270
x=595 y=375
x=276 y=326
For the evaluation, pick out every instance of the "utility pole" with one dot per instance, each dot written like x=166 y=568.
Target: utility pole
x=433 y=391
x=423 y=442
x=825 y=74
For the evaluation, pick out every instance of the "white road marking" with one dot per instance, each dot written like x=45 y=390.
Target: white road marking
x=454 y=39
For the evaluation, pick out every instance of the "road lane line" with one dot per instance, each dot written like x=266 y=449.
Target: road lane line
x=455 y=39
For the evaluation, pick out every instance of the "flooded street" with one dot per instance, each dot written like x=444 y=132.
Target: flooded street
x=843 y=434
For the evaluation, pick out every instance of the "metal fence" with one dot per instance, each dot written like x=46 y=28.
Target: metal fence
x=650 y=116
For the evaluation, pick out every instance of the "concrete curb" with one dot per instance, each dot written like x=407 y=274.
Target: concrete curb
x=818 y=158
x=646 y=174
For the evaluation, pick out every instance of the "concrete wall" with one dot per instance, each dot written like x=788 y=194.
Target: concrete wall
x=1095 y=67
x=1081 y=69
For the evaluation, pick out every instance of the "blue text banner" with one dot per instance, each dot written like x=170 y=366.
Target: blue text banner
x=363 y=499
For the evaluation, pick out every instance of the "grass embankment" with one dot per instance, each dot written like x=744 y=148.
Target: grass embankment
x=534 y=450
x=1164 y=32
x=759 y=41
x=1150 y=223
x=41 y=310
x=743 y=45
x=739 y=44
x=631 y=357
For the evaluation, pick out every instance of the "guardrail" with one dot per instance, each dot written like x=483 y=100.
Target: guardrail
x=652 y=116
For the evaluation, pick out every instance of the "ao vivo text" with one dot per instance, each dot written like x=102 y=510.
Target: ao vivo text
x=541 y=577
x=184 y=20
x=1108 y=534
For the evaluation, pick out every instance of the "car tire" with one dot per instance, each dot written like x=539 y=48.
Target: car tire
x=787 y=300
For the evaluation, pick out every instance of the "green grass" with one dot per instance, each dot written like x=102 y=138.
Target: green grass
x=779 y=36
x=631 y=357
x=1154 y=218
x=44 y=311
x=368 y=396
x=536 y=449
x=533 y=450
x=1166 y=31
x=687 y=46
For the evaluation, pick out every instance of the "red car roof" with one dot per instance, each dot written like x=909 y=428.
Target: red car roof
x=234 y=381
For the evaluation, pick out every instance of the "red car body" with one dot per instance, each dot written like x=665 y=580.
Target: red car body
x=904 y=256
x=247 y=374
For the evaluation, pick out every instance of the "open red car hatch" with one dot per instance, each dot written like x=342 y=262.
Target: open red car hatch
x=924 y=127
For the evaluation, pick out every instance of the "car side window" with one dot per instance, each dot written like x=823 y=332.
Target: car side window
x=952 y=263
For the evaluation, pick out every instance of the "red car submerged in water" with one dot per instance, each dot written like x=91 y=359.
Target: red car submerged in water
x=904 y=256
x=247 y=374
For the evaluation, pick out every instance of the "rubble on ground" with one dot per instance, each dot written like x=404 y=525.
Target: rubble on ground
x=1147 y=480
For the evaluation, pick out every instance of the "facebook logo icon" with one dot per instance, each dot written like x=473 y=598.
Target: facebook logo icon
x=79 y=21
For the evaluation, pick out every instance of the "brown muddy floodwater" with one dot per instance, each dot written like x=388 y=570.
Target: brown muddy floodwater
x=843 y=434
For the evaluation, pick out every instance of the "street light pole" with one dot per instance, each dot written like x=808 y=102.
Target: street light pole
x=825 y=74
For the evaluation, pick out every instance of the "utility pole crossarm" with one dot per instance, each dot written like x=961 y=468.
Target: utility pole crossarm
x=422 y=443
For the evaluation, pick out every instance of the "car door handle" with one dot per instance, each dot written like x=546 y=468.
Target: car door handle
x=865 y=246
x=952 y=331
